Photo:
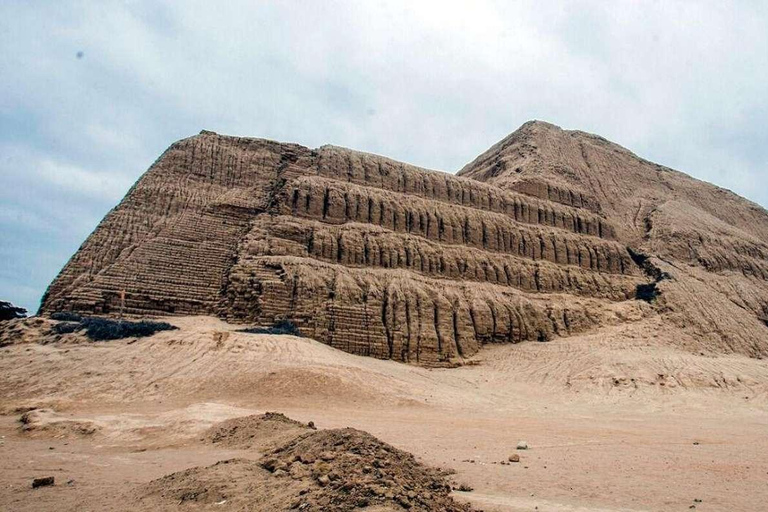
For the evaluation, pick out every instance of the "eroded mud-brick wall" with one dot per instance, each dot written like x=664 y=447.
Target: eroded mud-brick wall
x=381 y=258
x=369 y=255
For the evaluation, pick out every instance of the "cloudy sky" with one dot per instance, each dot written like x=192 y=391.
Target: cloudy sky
x=92 y=92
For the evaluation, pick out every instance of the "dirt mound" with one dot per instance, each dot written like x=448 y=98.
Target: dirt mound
x=257 y=431
x=48 y=423
x=351 y=469
x=36 y=330
x=237 y=483
x=24 y=330
x=340 y=469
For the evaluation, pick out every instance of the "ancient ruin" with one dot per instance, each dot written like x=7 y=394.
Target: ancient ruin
x=546 y=234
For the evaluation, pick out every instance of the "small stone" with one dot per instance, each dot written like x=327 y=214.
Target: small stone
x=42 y=482
x=297 y=470
x=270 y=464
x=403 y=501
x=327 y=456
x=324 y=480
x=514 y=458
x=311 y=425
x=522 y=445
x=280 y=472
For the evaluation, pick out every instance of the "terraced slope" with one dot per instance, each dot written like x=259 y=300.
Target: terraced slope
x=709 y=245
x=385 y=259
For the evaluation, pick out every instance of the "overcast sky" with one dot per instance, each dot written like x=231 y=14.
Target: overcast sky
x=92 y=92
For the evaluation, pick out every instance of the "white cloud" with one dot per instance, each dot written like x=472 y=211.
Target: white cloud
x=71 y=178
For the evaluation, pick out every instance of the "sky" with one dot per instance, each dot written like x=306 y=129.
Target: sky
x=91 y=93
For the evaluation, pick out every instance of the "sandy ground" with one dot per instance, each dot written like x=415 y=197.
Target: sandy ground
x=615 y=420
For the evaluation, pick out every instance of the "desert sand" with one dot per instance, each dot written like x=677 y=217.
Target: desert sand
x=559 y=291
x=616 y=420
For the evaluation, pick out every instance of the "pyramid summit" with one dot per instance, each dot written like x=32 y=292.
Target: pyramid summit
x=547 y=234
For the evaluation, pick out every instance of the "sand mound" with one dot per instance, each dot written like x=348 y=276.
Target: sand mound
x=341 y=469
x=257 y=431
x=237 y=483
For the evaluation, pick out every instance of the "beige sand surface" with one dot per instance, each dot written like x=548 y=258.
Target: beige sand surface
x=615 y=420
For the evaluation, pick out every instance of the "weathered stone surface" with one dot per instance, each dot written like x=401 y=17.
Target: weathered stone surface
x=711 y=243
x=382 y=258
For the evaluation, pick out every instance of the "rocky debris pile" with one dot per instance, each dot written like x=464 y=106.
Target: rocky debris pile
x=339 y=469
x=257 y=431
x=353 y=469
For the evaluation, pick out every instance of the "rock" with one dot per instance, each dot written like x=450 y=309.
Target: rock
x=514 y=458
x=298 y=470
x=323 y=480
x=42 y=482
x=404 y=502
x=522 y=445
